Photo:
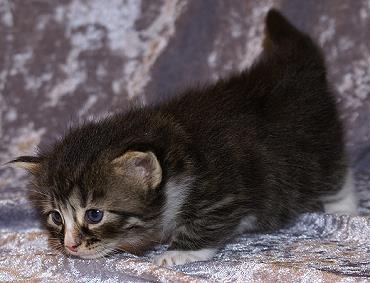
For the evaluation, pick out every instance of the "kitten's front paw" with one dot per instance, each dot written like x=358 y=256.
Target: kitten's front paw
x=170 y=258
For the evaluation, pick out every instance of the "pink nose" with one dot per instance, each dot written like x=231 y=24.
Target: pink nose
x=72 y=248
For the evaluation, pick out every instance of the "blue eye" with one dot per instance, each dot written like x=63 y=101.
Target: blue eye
x=56 y=217
x=93 y=216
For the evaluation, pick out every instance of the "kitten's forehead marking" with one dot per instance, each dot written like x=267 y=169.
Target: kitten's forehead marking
x=73 y=215
x=78 y=212
x=69 y=226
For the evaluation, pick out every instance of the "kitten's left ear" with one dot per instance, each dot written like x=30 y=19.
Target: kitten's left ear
x=31 y=163
x=141 y=167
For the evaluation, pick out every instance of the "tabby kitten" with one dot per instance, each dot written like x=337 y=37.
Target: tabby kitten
x=248 y=153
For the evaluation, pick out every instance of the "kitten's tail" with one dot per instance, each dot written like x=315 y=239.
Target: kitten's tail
x=286 y=42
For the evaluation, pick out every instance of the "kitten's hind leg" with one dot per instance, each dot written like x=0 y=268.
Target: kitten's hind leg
x=345 y=200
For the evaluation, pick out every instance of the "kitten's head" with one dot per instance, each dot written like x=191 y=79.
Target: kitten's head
x=96 y=206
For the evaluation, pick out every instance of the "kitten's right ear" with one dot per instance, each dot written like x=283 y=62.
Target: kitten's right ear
x=31 y=163
x=141 y=167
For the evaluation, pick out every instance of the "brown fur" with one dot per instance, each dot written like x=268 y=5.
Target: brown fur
x=264 y=145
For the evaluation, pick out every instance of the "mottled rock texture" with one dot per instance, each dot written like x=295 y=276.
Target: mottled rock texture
x=69 y=60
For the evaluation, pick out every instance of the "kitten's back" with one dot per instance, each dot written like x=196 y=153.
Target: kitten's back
x=274 y=126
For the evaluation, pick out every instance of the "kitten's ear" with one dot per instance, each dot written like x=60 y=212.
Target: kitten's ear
x=31 y=163
x=143 y=167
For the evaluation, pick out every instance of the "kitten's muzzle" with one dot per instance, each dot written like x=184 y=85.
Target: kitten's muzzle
x=72 y=244
x=72 y=248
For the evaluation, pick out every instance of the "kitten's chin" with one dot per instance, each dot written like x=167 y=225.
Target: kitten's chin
x=90 y=255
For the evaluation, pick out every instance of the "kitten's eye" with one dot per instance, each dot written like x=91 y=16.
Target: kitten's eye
x=93 y=216
x=56 y=217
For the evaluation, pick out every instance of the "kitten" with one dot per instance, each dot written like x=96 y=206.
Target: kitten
x=248 y=153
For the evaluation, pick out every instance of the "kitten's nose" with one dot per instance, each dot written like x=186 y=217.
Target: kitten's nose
x=72 y=248
x=72 y=243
